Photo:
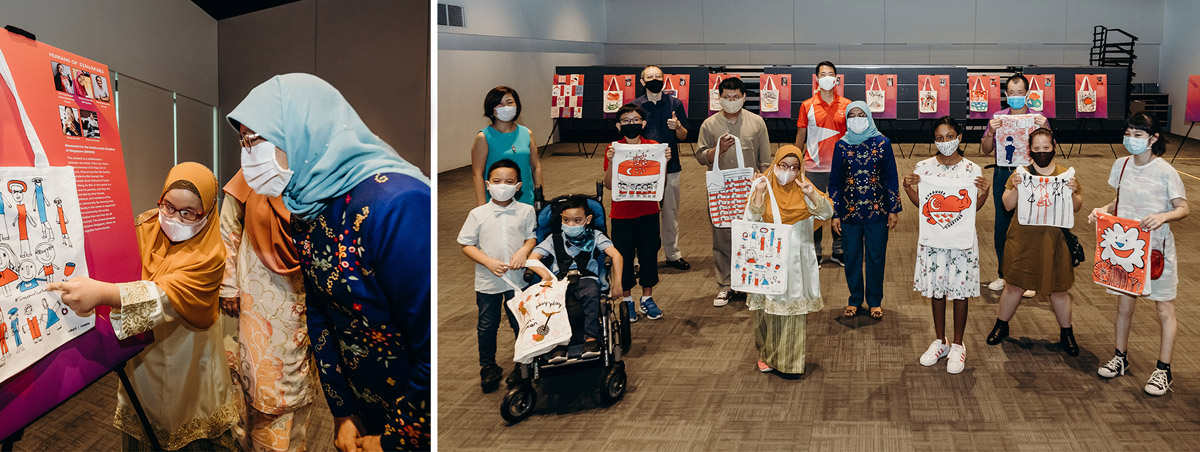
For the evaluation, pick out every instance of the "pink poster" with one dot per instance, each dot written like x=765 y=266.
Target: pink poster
x=881 y=95
x=714 y=92
x=779 y=85
x=1193 y=99
x=933 y=96
x=677 y=86
x=1040 y=95
x=985 y=96
x=618 y=91
x=839 y=89
x=1091 y=96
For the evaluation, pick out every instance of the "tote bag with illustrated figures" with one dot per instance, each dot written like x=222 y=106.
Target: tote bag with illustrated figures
x=927 y=99
x=613 y=96
x=769 y=96
x=41 y=242
x=714 y=95
x=979 y=96
x=728 y=189
x=876 y=98
x=759 y=256
x=1086 y=97
x=1034 y=98
x=541 y=312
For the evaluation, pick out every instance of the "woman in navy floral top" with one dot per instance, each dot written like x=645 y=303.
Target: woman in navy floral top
x=866 y=199
x=361 y=222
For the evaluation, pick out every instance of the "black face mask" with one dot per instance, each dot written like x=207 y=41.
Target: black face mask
x=1042 y=159
x=631 y=131
x=654 y=86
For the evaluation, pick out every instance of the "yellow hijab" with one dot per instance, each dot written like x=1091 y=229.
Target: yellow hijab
x=792 y=205
x=190 y=272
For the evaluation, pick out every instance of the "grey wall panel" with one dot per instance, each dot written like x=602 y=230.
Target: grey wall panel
x=147 y=139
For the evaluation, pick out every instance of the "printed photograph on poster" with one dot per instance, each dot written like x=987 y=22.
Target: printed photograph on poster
x=1122 y=255
x=63 y=80
x=775 y=97
x=985 y=96
x=83 y=83
x=1192 y=113
x=69 y=117
x=100 y=88
x=1091 y=96
x=1012 y=139
x=714 y=92
x=1045 y=200
x=881 y=95
x=947 y=212
x=933 y=96
x=759 y=257
x=639 y=172
x=89 y=122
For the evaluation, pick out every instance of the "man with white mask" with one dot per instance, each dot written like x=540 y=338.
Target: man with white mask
x=666 y=122
x=716 y=141
x=821 y=124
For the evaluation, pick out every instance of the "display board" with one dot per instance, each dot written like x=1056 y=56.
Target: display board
x=714 y=91
x=985 y=96
x=1193 y=99
x=933 y=96
x=780 y=86
x=1040 y=96
x=1091 y=96
x=566 y=96
x=880 y=95
x=70 y=104
x=618 y=91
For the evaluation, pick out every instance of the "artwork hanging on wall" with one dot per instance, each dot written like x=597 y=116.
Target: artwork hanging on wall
x=566 y=96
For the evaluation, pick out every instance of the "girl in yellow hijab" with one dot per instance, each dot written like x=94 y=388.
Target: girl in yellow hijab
x=779 y=320
x=180 y=378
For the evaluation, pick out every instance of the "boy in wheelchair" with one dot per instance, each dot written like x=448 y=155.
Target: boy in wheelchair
x=574 y=253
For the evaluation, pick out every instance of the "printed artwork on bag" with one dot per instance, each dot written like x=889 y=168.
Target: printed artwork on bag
x=1035 y=97
x=1122 y=255
x=769 y=96
x=639 y=172
x=984 y=96
x=779 y=94
x=566 y=96
x=876 y=97
x=979 y=95
x=1091 y=96
x=613 y=95
x=947 y=212
x=881 y=95
x=1045 y=200
x=1086 y=97
x=728 y=189
x=927 y=99
x=760 y=257
x=542 y=317
x=1012 y=139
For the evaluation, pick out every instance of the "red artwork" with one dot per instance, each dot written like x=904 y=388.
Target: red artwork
x=1122 y=255
x=566 y=96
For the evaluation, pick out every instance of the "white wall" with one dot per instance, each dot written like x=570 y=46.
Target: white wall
x=1181 y=50
x=515 y=43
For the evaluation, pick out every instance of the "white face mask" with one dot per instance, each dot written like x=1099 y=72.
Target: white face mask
x=732 y=106
x=263 y=174
x=948 y=147
x=177 y=231
x=827 y=82
x=502 y=192
x=784 y=177
x=506 y=113
x=858 y=124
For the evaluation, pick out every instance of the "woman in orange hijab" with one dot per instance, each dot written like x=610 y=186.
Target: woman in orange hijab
x=779 y=320
x=187 y=398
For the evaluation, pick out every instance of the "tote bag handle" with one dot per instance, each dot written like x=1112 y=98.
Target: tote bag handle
x=774 y=205
x=737 y=147
x=39 y=153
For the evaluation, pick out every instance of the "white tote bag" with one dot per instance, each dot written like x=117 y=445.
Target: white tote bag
x=714 y=95
x=639 y=171
x=41 y=241
x=728 y=189
x=1086 y=97
x=1034 y=98
x=613 y=96
x=541 y=313
x=927 y=100
x=876 y=98
x=947 y=212
x=769 y=96
x=759 y=255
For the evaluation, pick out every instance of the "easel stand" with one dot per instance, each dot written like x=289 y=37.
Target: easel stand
x=1082 y=129
x=579 y=146
x=1183 y=140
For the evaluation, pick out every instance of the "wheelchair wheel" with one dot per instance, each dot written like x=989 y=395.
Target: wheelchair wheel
x=518 y=404
x=626 y=337
x=613 y=388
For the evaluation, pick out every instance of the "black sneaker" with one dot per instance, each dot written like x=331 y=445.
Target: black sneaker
x=999 y=332
x=558 y=355
x=591 y=348
x=514 y=378
x=679 y=264
x=837 y=259
x=489 y=377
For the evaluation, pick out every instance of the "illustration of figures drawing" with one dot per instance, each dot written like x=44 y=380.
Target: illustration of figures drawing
x=1046 y=200
x=3 y=217
x=39 y=197
x=8 y=268
x=23 y=221
x=45 y=256
x=62 y=223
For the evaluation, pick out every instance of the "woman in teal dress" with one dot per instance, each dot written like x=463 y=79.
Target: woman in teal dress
x=505 y=139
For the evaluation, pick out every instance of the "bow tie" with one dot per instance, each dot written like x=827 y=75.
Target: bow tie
x=506 y=212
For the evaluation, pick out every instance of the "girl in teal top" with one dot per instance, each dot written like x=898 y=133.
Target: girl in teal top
x=504 y=139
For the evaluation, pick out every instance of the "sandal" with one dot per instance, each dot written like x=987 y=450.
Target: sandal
x=877 y=313
x=851 y=311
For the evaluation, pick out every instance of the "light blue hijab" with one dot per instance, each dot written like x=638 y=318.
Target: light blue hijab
x=329 y=148
x=856 y=139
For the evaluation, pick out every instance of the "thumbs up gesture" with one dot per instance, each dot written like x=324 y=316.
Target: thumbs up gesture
x=673 y=123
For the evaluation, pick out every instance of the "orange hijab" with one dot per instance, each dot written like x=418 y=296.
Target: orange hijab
x=792 y=206
x=190 y=272
x=267 y=223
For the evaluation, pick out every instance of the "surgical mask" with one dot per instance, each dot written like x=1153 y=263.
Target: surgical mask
x=827 y=82
x=732 y=106
x=948 y=147
x=573 y=230
x=857 y=125
x=506 y=113
x=1042 y=159
x=1136 y=145
x=177 y=231
x=502 y=192
x=654 y=86
x=263 y=174
x=631 y=131
x=783 y=176
x=1016 y=103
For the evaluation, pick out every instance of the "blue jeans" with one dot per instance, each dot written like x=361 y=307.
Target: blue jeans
x=871 y=238
x=1000 y=177
x=489 y=321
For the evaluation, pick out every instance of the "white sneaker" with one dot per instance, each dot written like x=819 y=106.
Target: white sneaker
x=958 y=359
x=722 y=298
x=1115 y=366
x=1159 y=384
x=937 y=350
x=1029 y=294
x=997 y=285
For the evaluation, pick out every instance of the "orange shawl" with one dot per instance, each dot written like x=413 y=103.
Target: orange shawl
x=190 y=272
x=267 y=223
x=790 y=199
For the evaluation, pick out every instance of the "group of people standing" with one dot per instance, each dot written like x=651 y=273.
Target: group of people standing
x=841 y=174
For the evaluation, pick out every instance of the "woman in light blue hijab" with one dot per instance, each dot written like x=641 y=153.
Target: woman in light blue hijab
x=361 y=223
x=866 y=200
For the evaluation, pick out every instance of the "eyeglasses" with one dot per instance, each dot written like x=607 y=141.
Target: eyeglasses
x=248 y=139
x=788 y=168
x=626 y=122
x=188 y=216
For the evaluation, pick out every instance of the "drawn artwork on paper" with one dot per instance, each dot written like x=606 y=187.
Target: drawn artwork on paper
x=1122 y=255
x=35 y=250
x=566 y=96
x=1045 y=200
x=947 y=212
x=760 y=258
x=1012 y=139
x=639 y=171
